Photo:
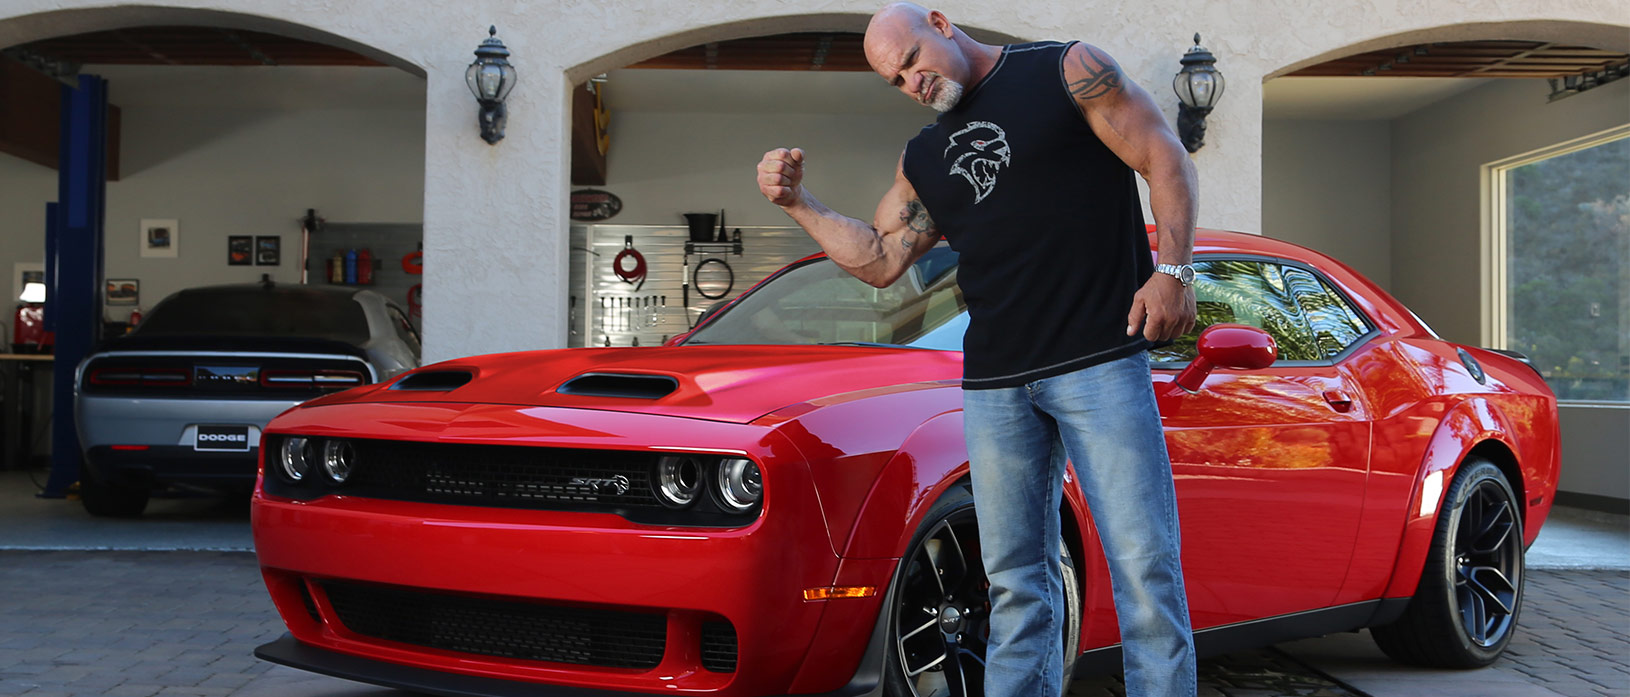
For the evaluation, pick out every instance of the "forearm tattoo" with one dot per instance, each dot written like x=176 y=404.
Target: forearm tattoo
x=1102 y=75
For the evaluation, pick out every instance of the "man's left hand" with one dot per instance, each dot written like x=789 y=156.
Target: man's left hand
x=1164 y=308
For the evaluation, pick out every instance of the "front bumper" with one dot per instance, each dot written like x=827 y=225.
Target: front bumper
x=751 y=577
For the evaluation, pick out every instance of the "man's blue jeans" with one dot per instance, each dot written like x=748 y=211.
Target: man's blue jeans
x=1104 y=419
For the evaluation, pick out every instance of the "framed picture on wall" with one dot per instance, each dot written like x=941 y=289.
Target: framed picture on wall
x=123 y=291
x=268 y=250
x=240 y=250
x=160 y=237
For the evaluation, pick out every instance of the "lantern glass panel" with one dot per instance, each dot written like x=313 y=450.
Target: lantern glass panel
x=1180 y=85
x=1201 y=86
x=489 y=80
x=469 y=79
x=508 y=82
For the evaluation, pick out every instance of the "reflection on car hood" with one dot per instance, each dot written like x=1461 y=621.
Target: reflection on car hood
x=720 y=383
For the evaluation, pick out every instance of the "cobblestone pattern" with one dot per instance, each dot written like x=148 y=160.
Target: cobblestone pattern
x=1573 y=635
x=183 y=624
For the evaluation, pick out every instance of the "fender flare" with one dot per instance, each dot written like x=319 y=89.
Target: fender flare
x=1465 y=425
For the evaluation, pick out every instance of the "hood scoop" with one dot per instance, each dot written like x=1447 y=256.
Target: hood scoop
x=434 y=381
x=627 y=385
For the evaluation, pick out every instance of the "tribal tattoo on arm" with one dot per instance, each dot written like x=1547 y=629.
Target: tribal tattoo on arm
x=915 y=216
x=1102 y=75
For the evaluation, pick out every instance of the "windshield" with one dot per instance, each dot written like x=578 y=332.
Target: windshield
x=819 y=303
x=238 y=311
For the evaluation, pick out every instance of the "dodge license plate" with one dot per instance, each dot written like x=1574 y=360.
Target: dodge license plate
x=222 y=438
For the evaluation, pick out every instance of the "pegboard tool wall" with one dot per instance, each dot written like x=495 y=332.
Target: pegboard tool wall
x=599 y=312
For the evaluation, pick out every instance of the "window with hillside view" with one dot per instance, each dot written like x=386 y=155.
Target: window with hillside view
x=1566 y=237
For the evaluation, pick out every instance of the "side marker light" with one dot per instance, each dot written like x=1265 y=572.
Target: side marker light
x=836 y=592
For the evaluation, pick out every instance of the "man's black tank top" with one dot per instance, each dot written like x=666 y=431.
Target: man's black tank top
x=1046 y=218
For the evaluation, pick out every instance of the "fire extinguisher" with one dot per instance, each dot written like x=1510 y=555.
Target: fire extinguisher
x=365 y=267
x=135 y=319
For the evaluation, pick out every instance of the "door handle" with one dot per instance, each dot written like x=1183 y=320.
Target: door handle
x=1338 y=400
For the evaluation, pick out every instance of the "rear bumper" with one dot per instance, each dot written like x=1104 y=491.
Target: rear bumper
x=119 y=420
x=159 y=466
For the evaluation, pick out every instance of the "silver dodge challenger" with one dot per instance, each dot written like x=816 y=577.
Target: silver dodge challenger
x=179 y=403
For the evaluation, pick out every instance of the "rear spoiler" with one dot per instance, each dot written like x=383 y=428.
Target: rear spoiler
x=243 y=344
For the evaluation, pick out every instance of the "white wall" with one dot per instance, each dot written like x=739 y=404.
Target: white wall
x=236 y=151
x=665 y=164
x=1328 y=185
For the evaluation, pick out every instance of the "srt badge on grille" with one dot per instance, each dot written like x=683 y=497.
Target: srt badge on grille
x=604 y=486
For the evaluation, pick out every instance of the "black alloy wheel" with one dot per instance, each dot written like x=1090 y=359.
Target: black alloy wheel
x=1465 y=610
x=940 y=611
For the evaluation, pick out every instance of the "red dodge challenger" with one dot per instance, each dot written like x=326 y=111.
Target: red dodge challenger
x=778 y=502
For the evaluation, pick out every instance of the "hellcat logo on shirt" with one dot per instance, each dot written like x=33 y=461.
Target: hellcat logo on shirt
x=978 y=152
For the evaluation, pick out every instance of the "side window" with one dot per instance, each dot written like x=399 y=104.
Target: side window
x=1252 y=293
x=1335 y=324
x=404 y=328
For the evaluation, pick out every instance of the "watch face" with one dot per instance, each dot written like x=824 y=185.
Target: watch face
x=1185 y=274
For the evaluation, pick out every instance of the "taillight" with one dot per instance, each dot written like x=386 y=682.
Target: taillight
x=325 y=379
x=147 y=377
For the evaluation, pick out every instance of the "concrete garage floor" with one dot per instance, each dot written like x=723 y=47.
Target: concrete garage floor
x=172 y=605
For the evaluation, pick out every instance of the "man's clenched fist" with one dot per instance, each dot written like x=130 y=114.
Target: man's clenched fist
x=781 y=176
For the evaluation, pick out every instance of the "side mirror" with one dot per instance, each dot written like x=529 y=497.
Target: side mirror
x=1229 y=346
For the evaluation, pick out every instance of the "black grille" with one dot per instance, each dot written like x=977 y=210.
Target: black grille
x=719 y=647
x=505 y=476
x=508 y=476
x=507 y=628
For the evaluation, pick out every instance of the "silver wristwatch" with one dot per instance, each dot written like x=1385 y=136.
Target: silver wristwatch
x=1183 y=273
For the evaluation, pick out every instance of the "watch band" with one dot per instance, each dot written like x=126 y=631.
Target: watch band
x=1184 y=273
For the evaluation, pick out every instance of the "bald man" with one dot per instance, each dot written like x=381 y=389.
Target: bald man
x=1028 y=172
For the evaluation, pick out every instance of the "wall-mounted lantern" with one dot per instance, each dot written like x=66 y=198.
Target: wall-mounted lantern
x=1198 y=85
x=491 y=77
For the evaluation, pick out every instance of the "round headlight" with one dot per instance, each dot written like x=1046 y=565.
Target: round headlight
x=678 y=481
x=296 y=457
x=338 y=458
x=740 y=484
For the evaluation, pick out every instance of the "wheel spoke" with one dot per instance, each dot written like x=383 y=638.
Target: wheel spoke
x=910 y=673
x=931 y=566
x=954 y=679
x=928 y=625
x=1474 y=616
x=1494 y=587
x=952 y=562
x=1496 y=530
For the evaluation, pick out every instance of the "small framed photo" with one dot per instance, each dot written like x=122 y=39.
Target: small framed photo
x=240 y=250
x=123 y=291
x=268 y=250
x=160 y=237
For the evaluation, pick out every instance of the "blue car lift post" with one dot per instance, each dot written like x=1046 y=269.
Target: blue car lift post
x=73 y=263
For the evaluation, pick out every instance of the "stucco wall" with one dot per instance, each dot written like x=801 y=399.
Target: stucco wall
x=491 y=213
x=1327 y=185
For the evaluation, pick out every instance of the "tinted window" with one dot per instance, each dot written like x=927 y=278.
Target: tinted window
x=1252 y=293
x=404 y=328
x=819 y=303
x=1335 y=324
x=253 y=311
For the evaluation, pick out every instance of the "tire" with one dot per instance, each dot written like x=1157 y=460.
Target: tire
x=1465 y=609
x=110 y=500
x=948 y=542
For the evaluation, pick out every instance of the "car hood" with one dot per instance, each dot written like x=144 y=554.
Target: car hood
x=735 y=384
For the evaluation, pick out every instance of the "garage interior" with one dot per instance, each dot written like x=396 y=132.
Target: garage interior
x=234 y=133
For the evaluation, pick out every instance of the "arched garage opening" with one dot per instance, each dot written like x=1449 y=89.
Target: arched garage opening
x=224 y=130
x=689 y=118
x=1397 y=156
